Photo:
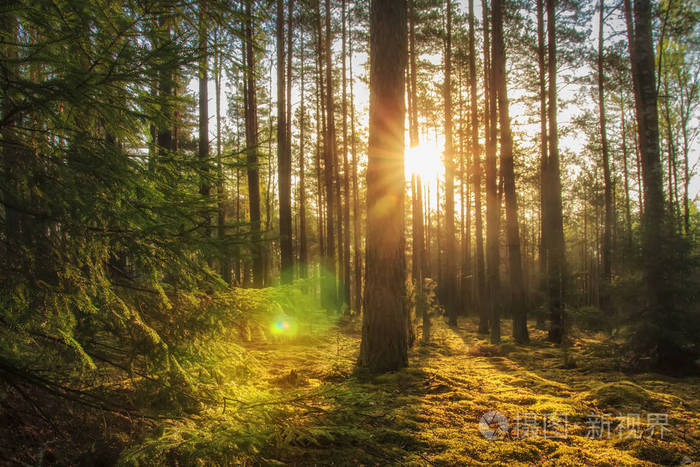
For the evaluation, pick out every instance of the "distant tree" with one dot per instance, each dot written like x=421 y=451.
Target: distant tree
x=284 y=166
x=450 y=272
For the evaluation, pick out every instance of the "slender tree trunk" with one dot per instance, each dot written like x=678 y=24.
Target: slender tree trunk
x=476 y=169
x=489 y=182
x=320 y=132
x=492 y=206
x=555 y=234
x=450 y=286
x=284 y=163
x=303 y=242
x=334 y=166
x=609 y=214
x=628 y=211
x=220 y=191
x=331 y=285
x=465 y=276
x=165 y=90
x=385 y=321
x=544 y=177
x=346 y=169
x=357 y=214
x=10 y=143
x=251 y=130
x=204 y=185
x=518 y=299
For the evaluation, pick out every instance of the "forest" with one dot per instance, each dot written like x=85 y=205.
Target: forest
x=347 y=232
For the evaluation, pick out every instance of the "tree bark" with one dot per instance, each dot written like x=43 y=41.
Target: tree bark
x=654 y=229
x=346 y=168
x=555 y=229
x=251 y=130
x=485 y=317
x=303 y=242
x=492 y=204
x=357 y=214
x=607 y=182
x=385 y=321
x=284 y=163
x=542 y=70
x=476 y=169
x=450 y=286
x=331 y=285
x=203 y=78
x=518 y=299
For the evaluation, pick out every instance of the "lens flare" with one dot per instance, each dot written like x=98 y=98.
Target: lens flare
x=282 y=326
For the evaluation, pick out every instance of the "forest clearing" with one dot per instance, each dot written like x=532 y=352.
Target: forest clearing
x=349 y=232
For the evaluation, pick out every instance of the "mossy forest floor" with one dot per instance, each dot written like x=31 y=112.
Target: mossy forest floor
x=428 y=414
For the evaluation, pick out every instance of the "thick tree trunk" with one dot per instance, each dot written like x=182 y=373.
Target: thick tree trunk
x=385 y=321
x=518 y=299
x=654 y=229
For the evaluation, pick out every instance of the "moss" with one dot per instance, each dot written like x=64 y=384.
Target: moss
x=428 y=414
x=625 y=395
x=658 y=451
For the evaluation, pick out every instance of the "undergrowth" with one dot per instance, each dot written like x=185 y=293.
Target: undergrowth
x=303 y=403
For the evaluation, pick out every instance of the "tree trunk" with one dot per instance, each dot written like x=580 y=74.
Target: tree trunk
x=346 y=170
x=251 y=131
x=609 y=214
x=518 y=299
x=204 y=185
x=385 y=321
x=654 y=229
x=555 y=229
x=628 y=211
x=542 y=70
x=331 y=285
x=489 y=181
x=357 y=214
x=303 y=242
x=284 y=163
x=477 y=170
x=220 y=191
x=450 y=274
x=492 y=204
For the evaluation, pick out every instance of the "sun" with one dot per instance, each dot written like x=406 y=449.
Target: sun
x=424 y=160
